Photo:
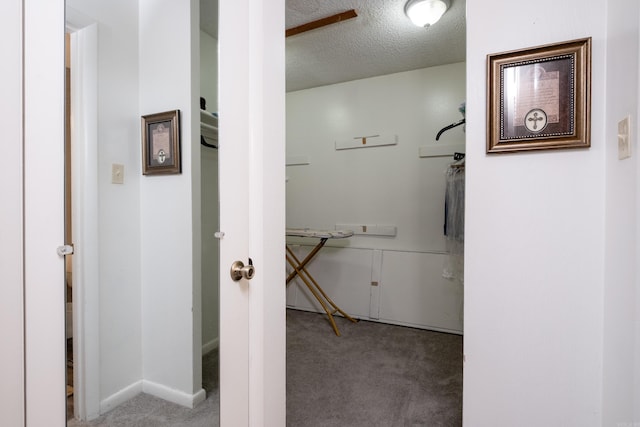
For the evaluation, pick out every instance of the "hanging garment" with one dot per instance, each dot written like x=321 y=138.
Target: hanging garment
x=454 y=222
x=454 y=203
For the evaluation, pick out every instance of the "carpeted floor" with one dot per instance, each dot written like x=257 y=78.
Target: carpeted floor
x=373 y=375
x=149 y=411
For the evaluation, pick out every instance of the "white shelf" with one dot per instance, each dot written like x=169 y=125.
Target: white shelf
x=443 y=150
x=369 y=229
x=367 y=142
x=297 y=161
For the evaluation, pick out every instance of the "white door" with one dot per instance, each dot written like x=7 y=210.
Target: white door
x=252 y=215
x=33 y=278
x=43 y=121
x=252 y=336
x=11 y=249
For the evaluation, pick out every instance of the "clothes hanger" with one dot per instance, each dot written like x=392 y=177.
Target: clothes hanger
x=451 y=126
x=206 y=144
x=458 y=160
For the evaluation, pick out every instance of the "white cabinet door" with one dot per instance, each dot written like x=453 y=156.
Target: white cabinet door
x=252 y=218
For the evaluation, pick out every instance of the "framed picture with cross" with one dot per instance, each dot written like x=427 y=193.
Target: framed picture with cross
x=161 y=143
x=539 y=98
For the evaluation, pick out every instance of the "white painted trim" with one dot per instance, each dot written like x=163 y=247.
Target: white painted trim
x=418 y=326
x=386 y=321
x=365 y=229
x=297 y=161
x=172 y=395
x=158 y=390
x=210 y=346
x=86 y=322
x=292 y=241
x=367 y=142
x=121 y=396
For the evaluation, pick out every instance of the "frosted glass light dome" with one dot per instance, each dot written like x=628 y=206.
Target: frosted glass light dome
x=425 y=13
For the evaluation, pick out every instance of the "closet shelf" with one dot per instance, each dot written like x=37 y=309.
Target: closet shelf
x=367 y=142
x=445 y=150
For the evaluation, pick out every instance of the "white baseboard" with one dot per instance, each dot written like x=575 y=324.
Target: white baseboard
x=176 y=396
x=210 y=346
x=121 y=396
x=154 y=389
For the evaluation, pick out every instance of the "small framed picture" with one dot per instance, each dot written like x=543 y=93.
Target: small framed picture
x=161 y=143
x=539 y=98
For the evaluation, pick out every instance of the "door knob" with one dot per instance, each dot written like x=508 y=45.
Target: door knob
x=239 y=271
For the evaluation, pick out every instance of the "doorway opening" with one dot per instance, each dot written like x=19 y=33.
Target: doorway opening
x=81 y=218
x=363 y=155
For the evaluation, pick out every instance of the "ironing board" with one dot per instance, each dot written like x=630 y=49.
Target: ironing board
x=299 y=268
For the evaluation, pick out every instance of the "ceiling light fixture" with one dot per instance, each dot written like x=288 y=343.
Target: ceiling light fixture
x=425 y=13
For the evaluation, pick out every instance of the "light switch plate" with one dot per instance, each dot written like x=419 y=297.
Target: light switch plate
x=117 y=174
x=624 y=138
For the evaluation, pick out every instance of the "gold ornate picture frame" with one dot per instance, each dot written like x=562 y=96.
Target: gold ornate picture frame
x=161 y=143
x=539 y=98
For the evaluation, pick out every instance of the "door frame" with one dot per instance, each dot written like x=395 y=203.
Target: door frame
x=84 y=189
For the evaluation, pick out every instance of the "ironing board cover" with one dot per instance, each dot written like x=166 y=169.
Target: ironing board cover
x=319 y=234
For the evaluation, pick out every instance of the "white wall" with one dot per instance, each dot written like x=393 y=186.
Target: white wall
x=209 y=70
x=378 y=185
x=119 y=206
x=209 y=194
x=145 y=69
x=545 y=253
x=170 y=206
x=621 y=266
x=389 y=185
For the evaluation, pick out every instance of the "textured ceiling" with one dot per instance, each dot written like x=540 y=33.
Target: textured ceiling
x=381 y=40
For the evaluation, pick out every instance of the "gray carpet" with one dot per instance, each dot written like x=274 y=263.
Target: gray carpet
x=149 y=411
x=374 y=375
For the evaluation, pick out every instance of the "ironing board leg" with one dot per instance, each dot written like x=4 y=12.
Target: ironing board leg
x=306 y=259
x=315 y=294
x=300 y=270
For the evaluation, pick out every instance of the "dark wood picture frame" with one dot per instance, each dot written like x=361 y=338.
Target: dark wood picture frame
x=539 y=98
x=161 y=143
